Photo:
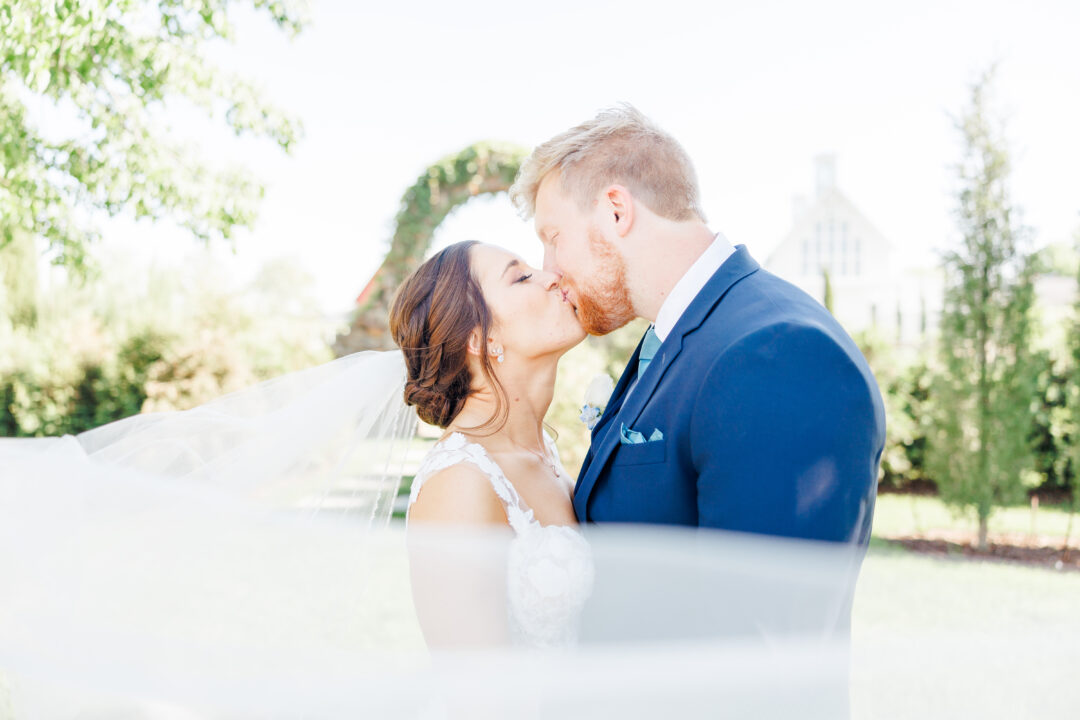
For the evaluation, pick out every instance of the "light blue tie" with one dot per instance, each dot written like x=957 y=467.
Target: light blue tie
x=649 y=346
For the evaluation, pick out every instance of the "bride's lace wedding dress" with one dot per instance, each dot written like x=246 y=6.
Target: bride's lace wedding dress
x=549 y=568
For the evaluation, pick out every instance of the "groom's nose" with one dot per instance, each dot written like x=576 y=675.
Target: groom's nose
x=549 y=262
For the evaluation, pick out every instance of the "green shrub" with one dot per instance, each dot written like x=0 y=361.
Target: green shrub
x=157 y=341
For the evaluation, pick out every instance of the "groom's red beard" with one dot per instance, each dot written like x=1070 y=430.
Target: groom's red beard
x=604 y=305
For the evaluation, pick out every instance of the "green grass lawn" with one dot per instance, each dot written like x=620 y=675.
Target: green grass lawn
x=901 y=591
x=936 y=637
x=897 y=515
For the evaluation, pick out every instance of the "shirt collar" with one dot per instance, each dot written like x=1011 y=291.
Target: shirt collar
x=690 y=285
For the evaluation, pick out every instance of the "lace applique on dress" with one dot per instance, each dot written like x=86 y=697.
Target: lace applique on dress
x=549 y=570
x=456 y=449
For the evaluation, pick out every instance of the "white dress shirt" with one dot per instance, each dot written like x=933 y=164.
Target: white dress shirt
x=690 y=285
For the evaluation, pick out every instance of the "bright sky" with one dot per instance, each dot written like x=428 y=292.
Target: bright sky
x=753 y=91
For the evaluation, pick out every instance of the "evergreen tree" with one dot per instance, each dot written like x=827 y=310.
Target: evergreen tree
x=828 y=299
x=980 y=446
x=1071 y=439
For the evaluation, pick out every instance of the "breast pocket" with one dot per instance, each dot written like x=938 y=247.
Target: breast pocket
x=645 y=453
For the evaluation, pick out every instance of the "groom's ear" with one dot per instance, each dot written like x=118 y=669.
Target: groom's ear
x=621 y=206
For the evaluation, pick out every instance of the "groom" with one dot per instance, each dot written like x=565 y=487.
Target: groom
x=745 y=407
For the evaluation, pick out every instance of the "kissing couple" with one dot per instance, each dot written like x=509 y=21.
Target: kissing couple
x=746 y=407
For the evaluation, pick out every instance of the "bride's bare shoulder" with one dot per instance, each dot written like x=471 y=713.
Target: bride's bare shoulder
x=460 y=495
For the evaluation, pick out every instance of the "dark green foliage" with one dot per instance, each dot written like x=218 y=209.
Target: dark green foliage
x=100 y=391
x=1053 y=434
x=106 y=352
x=1069 y=412
x=904 y=385
x=904 y=463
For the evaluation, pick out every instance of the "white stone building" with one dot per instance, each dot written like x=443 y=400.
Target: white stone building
x=869 y=287
x=829 y=233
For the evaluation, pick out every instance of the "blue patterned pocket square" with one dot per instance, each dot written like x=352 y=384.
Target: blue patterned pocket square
x=633 y=437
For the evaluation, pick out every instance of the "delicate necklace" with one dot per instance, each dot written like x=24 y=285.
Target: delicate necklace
x=544 y=459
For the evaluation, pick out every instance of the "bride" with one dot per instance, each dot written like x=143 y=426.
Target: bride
x=482 y=334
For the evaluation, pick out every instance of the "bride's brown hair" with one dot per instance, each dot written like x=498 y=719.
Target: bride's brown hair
x=433 y=314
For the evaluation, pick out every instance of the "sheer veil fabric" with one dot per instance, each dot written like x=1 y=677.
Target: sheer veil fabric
x=238 y=561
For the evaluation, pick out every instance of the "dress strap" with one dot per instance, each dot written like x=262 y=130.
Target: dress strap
x=457 y=449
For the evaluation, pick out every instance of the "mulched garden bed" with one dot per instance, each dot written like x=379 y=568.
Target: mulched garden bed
x=1008 y=548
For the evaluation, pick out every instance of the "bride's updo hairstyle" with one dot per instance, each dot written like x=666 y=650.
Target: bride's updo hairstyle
x=433 y=314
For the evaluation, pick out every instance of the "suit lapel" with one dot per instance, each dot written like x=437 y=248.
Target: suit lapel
x=627 y=413
x=735 y=268
x=618 y=395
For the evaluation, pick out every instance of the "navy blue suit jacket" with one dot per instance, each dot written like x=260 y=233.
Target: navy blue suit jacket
x=772 y=421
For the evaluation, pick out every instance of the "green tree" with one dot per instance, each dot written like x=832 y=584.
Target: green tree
x=105 y=72
x=980 y=446
x=1070 y=413
x=19 y=280
x=828 y=300
x=1052 y=431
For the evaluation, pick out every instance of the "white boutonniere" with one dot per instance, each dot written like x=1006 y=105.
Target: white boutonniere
x=596 y=399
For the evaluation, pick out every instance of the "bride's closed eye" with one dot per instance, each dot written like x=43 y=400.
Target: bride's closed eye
x=523 y=278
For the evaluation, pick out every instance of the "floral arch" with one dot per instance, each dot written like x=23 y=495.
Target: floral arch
x=480 y=169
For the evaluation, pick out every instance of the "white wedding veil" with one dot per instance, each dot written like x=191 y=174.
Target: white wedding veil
x=237 y=561
x=331 y=437
x=126 y=523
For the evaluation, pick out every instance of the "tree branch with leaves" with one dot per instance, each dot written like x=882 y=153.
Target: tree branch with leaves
x=113 y=69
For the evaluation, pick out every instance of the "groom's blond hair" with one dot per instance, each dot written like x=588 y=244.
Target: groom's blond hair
x=619 y=145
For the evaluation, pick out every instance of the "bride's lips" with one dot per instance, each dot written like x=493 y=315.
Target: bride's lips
x=566 y=299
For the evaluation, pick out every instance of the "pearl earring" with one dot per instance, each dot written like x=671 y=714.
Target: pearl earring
x=501 y=356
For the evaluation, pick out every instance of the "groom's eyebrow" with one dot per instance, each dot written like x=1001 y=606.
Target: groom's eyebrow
x=509 y=265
